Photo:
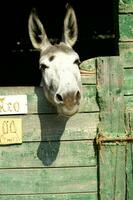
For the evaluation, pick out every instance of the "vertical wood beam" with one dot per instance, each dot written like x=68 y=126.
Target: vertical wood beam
x=111 y=103
x=110 y=96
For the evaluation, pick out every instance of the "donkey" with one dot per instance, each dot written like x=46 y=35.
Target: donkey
x=59 y=63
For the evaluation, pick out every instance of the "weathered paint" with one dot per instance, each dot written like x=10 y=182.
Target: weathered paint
x=78 y=196
x=126 y=6
x=111 y=101
x=128 y=82
x=125 y=27
x=126 y=54
x=50 y=180
x=112 y=172
x=110 y=96
x=129 y=170
x=52 y=154
x=52 y=127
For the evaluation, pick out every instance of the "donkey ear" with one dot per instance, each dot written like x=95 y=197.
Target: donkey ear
x=70 y=27
x=37 y=33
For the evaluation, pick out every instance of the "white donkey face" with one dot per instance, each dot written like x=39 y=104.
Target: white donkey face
x=59 y=64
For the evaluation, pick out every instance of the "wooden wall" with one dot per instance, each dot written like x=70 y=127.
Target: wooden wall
x=57 y=159
x=126 y=47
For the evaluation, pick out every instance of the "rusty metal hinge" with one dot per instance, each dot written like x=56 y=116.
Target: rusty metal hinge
x=102 y=139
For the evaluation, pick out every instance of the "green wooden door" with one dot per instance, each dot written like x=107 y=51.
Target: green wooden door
x=115 y=98
x=115 y=164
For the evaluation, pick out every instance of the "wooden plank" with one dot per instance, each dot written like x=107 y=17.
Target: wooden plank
x=126 y=6
x=129 y=103
x=89 y=103
x=128 y=81
x=88 y=78
x=126 y=54
x=130 y=122
x=88 y=71
x=110 y=96
x=129 y=171
x=37 y=102
x=89 y=65
x=126 y=27
x=111 y=102
x=112 y=172
x=54 y=128
x=50 y=180
x=129 y=155
x=76 y=196
x=52 y=154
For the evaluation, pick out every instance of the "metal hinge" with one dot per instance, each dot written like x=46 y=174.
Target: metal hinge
x=102 y=139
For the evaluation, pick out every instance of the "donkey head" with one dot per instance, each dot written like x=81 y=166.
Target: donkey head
x=59 y=63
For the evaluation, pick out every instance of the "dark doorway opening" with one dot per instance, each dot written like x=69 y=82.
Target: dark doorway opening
x=98 y=35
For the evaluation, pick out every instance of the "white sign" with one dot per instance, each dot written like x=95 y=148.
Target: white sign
x=13 y=104
x=10 y=131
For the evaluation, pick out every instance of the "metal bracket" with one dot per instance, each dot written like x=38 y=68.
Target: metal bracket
x=102 y=139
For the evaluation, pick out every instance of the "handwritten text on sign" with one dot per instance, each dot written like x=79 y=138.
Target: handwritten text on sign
x=10 y=131
x=13 y=104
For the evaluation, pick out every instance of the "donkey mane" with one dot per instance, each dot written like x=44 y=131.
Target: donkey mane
x=58 y=48
x=54 y=41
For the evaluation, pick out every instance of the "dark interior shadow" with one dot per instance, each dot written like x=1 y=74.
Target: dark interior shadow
x=52 y=128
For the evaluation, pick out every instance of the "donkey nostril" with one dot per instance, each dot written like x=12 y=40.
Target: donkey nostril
x=59 y=98
x=78 y=96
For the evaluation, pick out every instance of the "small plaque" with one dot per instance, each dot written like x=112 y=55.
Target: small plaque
x=10 y=131
x=13 y=104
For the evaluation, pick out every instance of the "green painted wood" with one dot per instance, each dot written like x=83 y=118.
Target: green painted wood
x=126 y=54
x=125 y=6
x=126 y=27
x=129 y=171
x=89 y=65
x=110 y=96
x=112 y=172
x=128 y=81
x=37 y=102
x=129 y=154
x=76 y=196
x=52 y=154
x=50 y=180
x=111 y=102
x=128 y=103
x=89 y=75
x=131 y=122
x=91 y=80
x=54 y=128
x=89 y=103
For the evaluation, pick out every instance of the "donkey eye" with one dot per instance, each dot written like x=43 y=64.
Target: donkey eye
x=43 y=66
x=77 y=62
